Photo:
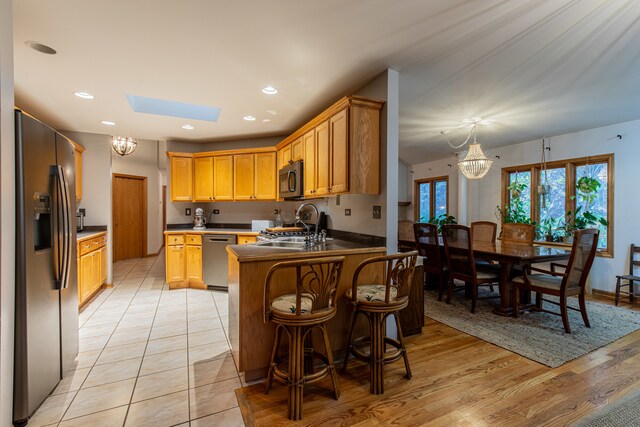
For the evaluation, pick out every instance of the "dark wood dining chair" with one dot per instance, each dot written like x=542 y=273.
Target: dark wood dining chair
x=483 y=231
x=461 y=262
x=297 y=315
x=378 y=301
x=518 y=233
x=629 y=278
x=570 y=282
x=428 y=246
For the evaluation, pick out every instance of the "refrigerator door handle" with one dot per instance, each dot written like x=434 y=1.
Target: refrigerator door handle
x=62 y=190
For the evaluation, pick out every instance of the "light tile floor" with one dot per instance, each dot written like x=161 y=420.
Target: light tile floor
x=149 y=356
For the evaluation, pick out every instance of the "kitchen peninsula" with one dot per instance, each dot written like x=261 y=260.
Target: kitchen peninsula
x=252 y=339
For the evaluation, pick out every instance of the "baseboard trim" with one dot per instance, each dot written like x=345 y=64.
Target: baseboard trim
x=151 y=255
x=612 y=296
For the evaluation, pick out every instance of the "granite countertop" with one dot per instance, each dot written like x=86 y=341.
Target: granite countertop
x=256 y=252
x=213 y=231
x=88 y=234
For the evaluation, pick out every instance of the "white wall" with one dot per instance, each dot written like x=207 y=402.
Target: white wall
x=144 y=162
x=96 y=185
x=7 y=212
x=484 y=194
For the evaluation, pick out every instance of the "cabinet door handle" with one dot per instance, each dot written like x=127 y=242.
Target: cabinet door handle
x=87 y=246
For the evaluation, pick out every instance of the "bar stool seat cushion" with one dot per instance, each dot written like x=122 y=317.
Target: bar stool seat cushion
x=545 y=281
x=373 y=293
x=287 y=303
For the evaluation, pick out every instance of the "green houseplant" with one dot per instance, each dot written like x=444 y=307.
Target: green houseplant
x=548 y=229
x=514 y=212
x=442 y=220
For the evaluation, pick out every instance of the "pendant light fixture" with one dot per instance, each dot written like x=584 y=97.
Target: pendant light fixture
x=475 y=164
x=123 y=145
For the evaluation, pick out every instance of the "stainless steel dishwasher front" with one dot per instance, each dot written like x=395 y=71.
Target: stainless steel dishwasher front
x=215 y=263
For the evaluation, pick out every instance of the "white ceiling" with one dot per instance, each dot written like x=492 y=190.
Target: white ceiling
x=535 y=67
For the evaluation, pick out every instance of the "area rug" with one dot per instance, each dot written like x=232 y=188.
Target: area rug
x=624 y=412
x=536 y=336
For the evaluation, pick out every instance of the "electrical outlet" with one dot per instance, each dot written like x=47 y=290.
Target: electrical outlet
x=187 y=211
x=347 y=212
x=377 y=212
x=216 y=211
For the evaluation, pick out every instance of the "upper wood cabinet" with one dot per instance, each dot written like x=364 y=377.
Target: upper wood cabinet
x=255 y=176
x=203 y=179
x=223 y=178
x=181 y=177
x=340 y=148
x=265 y=176
x=310 y=180
x=78 y=160
x=243 y=176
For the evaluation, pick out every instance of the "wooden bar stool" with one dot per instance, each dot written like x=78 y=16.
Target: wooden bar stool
x=377 y=302
x=297 y=315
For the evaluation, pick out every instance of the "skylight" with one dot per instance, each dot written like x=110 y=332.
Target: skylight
x=163 y=107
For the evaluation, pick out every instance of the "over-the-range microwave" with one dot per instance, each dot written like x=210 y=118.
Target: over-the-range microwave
x=290 y=184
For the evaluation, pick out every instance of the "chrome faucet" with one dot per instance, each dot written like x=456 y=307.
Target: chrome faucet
x=299 y=221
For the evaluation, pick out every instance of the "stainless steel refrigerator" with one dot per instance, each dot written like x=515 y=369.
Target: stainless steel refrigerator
x=46 y=324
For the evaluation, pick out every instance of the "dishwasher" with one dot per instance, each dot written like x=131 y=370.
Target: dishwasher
x=215 y=264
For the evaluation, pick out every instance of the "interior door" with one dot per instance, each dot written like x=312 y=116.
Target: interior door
x=129 y=216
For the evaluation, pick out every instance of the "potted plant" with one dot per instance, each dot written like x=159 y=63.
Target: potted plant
x=441 y=220
x=548 y=229
x=514 y=212
x=578 y=220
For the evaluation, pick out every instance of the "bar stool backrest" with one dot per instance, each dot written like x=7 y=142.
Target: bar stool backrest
x=316 y=278
x=398 y=274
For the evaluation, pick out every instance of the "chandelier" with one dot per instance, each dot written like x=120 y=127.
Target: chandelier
x=123 y=145
x=475 y=164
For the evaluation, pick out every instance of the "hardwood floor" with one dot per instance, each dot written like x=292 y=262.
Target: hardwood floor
x=460 y=380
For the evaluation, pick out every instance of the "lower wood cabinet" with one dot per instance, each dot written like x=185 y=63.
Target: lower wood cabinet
x=243 y=239
x=184 y=260
x=92 y=266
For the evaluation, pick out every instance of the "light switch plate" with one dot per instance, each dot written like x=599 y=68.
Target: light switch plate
x=338 y=200
x=216 y=211
x=187 y=211
x=347 y=212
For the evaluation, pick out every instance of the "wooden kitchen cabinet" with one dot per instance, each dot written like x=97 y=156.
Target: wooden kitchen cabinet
x=310 y=175
x=243 y=176
x=184 y=260
x=243 y=239
x=175 y=266
x=338 y=153
x=181 y=177
x=194 y=259
x=92 y=266
x=255 y=176
x=323 y=159
x=223 y=178
x=203 y=179
x=297 y=150
x=78 y=161
x=341 y=149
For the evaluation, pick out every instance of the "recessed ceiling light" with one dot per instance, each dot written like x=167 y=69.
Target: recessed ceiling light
x=187 y=127
x=272 y=112
x=266 y=120
x=108 y=123
x=42 y=48
x=249 y=118
x=83 y=95
x=270 y=90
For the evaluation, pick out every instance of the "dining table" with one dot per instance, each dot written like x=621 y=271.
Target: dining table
x=510 y=255
x=507 y=258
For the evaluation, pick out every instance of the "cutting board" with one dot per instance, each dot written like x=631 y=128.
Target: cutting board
x=283 y=229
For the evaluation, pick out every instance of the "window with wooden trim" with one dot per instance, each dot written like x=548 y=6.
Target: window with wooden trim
x=431 y=196
x=573 y=187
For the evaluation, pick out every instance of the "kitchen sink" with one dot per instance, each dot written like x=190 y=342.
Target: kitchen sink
x=296 y=245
